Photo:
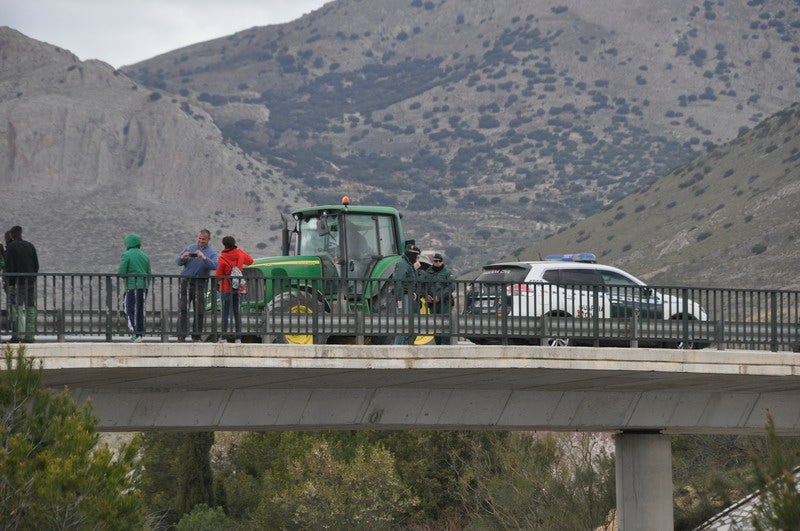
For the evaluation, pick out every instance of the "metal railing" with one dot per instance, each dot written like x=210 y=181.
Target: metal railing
x=87 y=307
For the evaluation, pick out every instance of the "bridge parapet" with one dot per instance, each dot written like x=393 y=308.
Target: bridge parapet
x=86 y=307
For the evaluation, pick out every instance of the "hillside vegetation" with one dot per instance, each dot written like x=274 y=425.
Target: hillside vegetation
x=728 y=218
x=491 y=123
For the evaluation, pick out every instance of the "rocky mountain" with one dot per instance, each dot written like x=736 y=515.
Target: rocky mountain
x=728 y=218
x=490 y=122
x=89 y=155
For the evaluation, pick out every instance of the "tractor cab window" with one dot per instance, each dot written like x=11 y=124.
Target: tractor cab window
x=354 y=242
x=370 y=236
x=318 y=237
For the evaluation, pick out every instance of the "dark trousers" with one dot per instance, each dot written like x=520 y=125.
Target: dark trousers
x=192 y=291
x=440 y=308
x=134 y=305
x=230 y=301
x=410 y=306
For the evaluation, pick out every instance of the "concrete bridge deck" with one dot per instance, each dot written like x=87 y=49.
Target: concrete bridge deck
x=212 y=386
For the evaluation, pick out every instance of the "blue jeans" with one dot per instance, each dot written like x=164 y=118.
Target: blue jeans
x=134 y=304
x=230 y=301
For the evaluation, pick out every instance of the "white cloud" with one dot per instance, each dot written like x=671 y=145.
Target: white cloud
x=123 y=32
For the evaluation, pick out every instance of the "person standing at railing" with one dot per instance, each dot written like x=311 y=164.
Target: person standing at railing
x=7 y=288
x=439 y=284
x=135 y=264
x=21 y=257
x=198 y=260
x=406 y=285
x=231 y=257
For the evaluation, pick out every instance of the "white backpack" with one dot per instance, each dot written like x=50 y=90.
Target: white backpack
x=237 y=279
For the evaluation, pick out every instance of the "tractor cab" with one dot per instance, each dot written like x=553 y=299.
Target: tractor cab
x=354 y=239
x=335 y=258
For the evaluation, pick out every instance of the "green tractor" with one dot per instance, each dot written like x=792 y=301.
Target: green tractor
x=342 y=257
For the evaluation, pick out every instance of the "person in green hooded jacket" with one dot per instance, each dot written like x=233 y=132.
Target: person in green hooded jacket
x=135 y=266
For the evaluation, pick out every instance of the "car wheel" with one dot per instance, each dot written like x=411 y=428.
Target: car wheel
x=684 y=345
x=558 y=341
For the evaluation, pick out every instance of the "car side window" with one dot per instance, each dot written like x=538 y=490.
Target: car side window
x=612 y=278
x=581 y=277
x=552 y=276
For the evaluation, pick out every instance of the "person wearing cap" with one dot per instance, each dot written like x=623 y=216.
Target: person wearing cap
x=406 y=279
x=439 y=284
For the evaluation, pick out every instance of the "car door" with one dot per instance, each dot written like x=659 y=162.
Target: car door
x=626 y=295
x=576 y=291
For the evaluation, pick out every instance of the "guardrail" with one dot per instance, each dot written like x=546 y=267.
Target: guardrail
x=83 y=307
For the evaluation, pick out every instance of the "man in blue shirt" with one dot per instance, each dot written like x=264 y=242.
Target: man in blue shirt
x=199 y=261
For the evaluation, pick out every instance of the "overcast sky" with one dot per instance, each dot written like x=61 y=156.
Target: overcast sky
x=123 y=32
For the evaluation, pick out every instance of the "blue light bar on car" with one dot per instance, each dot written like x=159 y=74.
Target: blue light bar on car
x=588 y=258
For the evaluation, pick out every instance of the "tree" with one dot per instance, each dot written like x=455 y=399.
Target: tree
x=541 y=482
x=53 y=472
x=176 y=473
x=204 y=518
x=327 y=493
x=779 y=499
x=712 y=471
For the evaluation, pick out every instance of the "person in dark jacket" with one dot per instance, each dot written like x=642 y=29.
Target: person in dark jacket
x=23 y=264
x=135 y=264
x=439 y=285
x=7 y=289
x=230 y=257
x=406 y=287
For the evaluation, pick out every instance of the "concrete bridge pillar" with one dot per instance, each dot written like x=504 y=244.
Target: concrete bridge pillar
x=644 y=481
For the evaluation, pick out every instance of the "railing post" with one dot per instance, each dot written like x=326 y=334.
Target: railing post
x=164 y=325
x=359 y=315
x=596 y=316
x=773 y=321
x=454 y=329
x=685 y=316
x=109 y=309
x=60 y=325
x=504 y=317
x=545 y=320
x=214 y=310
x=719 y=335
x=635 y=328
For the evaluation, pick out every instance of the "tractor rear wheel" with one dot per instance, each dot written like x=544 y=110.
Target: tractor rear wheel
x=292 y=303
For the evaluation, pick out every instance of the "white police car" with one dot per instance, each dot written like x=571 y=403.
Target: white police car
x=572 y=285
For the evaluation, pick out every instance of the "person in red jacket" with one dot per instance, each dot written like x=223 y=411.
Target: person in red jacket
x=230 y=257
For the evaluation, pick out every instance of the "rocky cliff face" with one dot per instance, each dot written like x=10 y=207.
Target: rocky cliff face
x=86 y=149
